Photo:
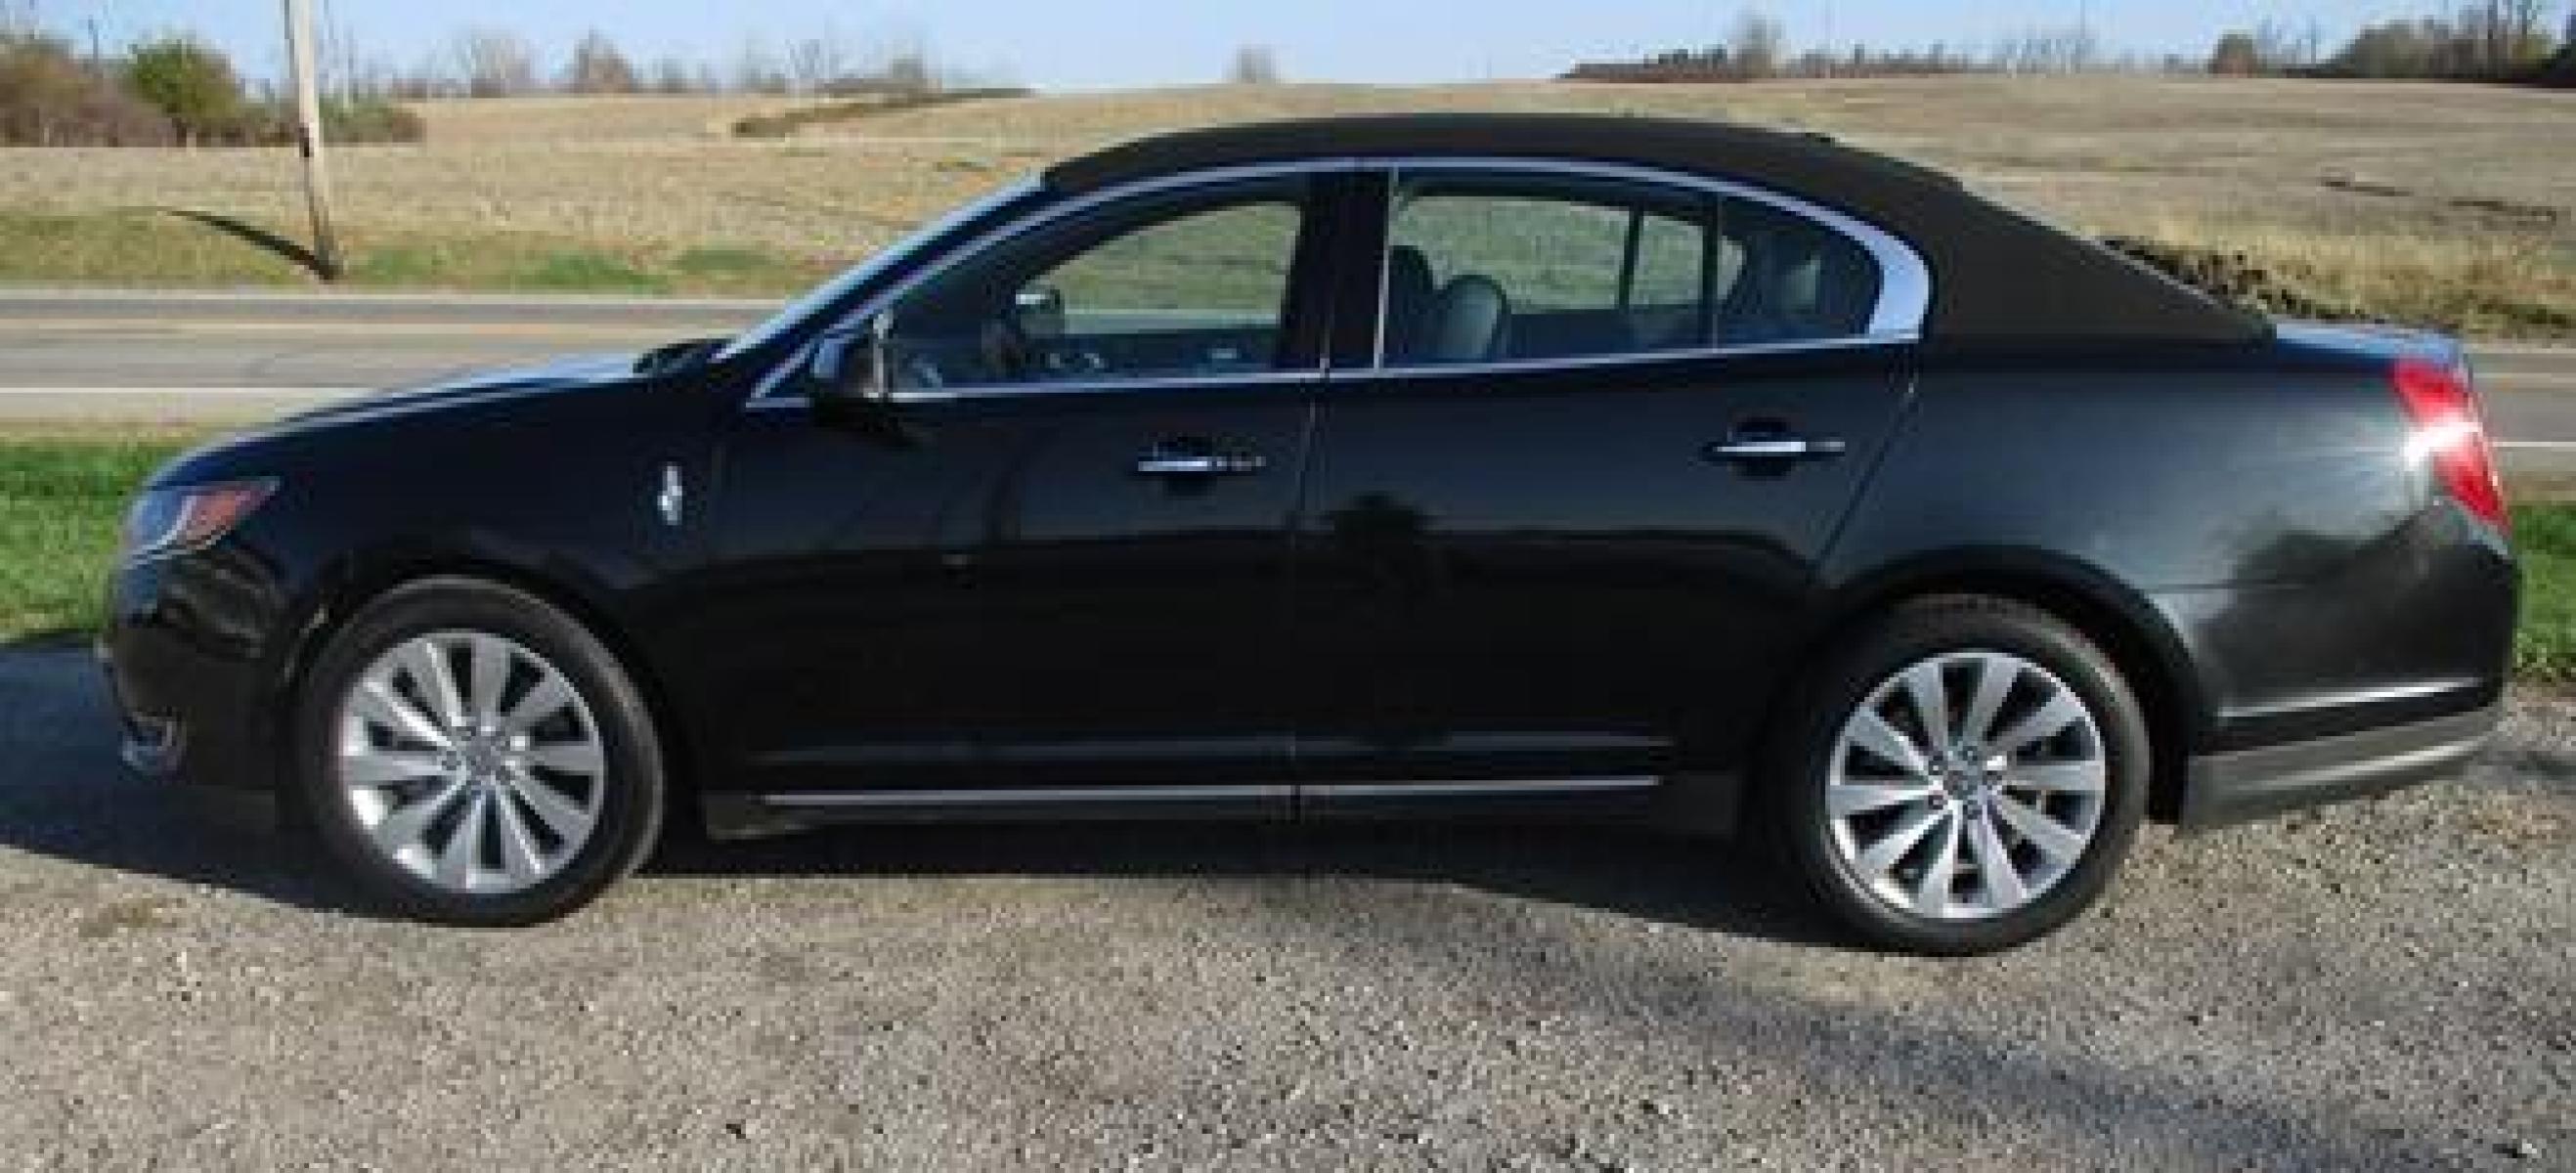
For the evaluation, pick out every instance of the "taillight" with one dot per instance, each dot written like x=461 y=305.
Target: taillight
x=2450 y=433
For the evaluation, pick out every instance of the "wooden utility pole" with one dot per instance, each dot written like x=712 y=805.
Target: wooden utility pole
x=308 y=135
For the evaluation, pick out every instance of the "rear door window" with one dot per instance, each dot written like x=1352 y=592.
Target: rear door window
x=1502 y=267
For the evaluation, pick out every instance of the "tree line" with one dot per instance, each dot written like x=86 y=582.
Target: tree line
x=2485 y=40
x=166 y=91
x=2492 y=40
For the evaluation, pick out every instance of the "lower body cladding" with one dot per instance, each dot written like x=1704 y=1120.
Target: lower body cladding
x=1702 y=800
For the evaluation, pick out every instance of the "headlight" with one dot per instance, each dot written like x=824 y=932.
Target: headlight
x=165 y=522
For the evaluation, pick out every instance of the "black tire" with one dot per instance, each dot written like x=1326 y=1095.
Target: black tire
x=1802 y=750
x=629 y=800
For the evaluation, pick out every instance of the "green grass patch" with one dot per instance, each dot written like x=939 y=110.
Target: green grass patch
x=62 y=503
x=578 y=271
x=2544 y=649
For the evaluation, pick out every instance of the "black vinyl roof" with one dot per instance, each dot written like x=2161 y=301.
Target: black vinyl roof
x=1996 y=275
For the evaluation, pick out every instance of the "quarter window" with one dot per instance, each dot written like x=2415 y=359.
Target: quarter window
x=1484 y=268
x=1163 y=289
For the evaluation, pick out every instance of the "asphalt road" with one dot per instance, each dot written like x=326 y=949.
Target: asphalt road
x=232 y=358
x=2381 y=985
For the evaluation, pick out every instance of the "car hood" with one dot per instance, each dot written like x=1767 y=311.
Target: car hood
x=555 y=375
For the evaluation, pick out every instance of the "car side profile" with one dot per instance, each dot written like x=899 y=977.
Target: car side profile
x=1606 y=471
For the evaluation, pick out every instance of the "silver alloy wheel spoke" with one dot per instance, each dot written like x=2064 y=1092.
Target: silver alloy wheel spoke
x=389 y=767
x=2059 y=777
x=425 y=661
x=488 y=666
x=1995 y=868
x=1888 y=852
x=1995 y=679
x=2053 y=840
x=1932 y=892
x=464 y=850
x=560 y=815
x=1882 y=739
x=402 y=830
x=1931 y=700
x=2020 y=763
x=2046 y=721
x=1860 y=798
x=545 y=699
x=519 y=854
x=471 y=813
x=377 y=701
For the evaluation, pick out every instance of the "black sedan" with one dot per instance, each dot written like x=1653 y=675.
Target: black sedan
x=1601 y=470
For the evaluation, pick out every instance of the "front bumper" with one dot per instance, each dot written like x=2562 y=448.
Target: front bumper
x=193 y=695
x=2243 y=785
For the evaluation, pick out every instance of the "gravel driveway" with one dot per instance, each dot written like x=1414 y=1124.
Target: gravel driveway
x=2388 y=984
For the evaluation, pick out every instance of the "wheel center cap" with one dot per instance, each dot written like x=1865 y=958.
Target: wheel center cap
x=483 y=759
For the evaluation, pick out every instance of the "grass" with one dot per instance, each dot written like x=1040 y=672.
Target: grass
x=63 y=496
x=62 y=505
x=2544 y=647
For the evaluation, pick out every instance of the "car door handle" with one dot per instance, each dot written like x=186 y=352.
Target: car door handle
x=1166 y=462
x=1775 y=447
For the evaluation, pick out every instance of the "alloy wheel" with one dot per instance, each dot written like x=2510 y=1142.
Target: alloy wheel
x=1966 y=785
x=471 y=762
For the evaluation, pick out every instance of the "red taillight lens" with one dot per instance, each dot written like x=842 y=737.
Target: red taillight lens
x=2451 y=434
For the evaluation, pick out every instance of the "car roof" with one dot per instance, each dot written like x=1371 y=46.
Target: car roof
x=1996 y=275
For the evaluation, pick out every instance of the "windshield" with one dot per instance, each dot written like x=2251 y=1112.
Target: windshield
x=868 y=270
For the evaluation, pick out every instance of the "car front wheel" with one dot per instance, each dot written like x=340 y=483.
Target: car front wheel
x=1963 y=776
x=472 y=755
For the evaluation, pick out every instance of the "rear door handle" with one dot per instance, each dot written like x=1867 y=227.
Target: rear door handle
x=1197 y=461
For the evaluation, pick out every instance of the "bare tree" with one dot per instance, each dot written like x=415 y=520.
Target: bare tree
x=911 y=73
x=2072 y=49
x=495 y=63
x=598 y=67
x=1755 y=45
x=816 y=62
x=756 y=69
x=1254 y=65
x=671 y=76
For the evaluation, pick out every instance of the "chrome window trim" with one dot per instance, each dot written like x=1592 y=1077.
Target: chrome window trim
x=1027 y=795
x=1904 y=281
x=1624 y=358
x=1220 y=792
x=1469 y=788
x=1904 y=297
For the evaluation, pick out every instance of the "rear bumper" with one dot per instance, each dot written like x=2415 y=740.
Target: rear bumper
x=2243 y=785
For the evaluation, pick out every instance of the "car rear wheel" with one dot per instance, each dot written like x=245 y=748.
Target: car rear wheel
x=471 y=755
x=1963 y=776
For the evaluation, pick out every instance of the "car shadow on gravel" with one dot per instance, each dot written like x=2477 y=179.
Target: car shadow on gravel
x=1702 y=884
x=64 y=795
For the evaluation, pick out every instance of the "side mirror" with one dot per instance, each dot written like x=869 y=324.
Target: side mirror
x=846 y=375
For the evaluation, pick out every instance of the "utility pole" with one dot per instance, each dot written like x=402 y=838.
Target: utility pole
x=308 y=135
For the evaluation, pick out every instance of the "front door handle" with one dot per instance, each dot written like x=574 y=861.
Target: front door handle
x=1197 y=460
x=1777 y=448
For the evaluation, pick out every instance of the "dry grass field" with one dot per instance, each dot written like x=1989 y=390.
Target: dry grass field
x=2436 y=202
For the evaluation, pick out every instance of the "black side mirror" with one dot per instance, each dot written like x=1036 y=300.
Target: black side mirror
x=846 y=375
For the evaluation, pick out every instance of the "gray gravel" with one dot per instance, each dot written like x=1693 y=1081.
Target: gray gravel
x=2387 y=984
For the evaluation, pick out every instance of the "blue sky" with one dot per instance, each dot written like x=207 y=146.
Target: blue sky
x=1072 y=44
